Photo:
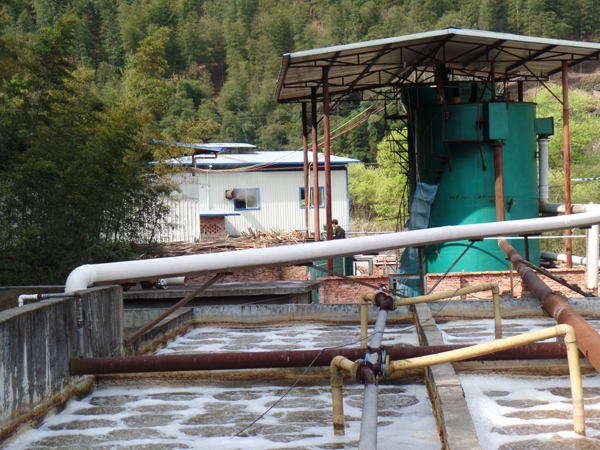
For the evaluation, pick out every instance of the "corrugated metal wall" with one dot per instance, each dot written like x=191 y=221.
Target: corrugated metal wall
x=279 y=202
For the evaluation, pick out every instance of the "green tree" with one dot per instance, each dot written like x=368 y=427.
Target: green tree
x=73 y=171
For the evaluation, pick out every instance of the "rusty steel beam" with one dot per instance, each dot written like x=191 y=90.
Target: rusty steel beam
x=588 y=339
x=287 y=358
x=567 y=159
x=499 y=181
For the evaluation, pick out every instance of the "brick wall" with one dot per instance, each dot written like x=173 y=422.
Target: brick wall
x=337 y=290
x=212 y=227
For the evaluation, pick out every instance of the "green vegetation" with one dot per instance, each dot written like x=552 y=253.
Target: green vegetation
x=85 y=85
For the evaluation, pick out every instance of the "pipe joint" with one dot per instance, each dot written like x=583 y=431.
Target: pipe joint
x=385 y=302
x=366 y=373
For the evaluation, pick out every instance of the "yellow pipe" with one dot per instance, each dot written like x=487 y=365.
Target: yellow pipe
x=337 y=384
x=462 y=291
x=503 y=344
x=338 y=364
x=364 y=320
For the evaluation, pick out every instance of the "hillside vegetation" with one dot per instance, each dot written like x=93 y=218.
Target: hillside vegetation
x=86 y=85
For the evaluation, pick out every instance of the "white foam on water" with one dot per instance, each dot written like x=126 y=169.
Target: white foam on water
x=286 y=426
x=483 y=392
x=300 y=337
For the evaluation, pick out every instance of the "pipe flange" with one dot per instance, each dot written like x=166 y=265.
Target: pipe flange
x=383 y=362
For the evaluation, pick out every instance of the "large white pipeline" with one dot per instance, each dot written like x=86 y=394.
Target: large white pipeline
x=129 y=271
x=593 y=241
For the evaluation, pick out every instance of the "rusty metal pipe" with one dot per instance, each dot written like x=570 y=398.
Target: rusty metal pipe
x=567 y=157
x=305 y=168
x=588 y=339
x=499 y=181
x=315 y=163
x=286 y=358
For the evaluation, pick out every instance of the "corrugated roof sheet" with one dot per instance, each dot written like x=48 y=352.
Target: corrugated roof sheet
x=263 y=159
x=415 y=58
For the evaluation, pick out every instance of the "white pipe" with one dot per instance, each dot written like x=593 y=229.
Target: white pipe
x=24 y=297
x=592 y=256
x=85 y=276
x=562 y=257
x=593 y=243
x=543 y=145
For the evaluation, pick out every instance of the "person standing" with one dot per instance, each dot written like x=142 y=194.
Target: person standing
x=338 y=232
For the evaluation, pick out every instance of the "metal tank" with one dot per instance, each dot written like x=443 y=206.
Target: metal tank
x=453 y=147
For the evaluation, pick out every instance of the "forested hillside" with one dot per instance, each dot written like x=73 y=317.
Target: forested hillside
x=223 y=56
x=87 y=85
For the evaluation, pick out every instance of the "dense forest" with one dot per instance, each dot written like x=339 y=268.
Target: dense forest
x=87 y=85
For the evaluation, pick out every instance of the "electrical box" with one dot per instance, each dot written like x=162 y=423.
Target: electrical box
x=496 y=121
x=544 y=126
x=463 y=123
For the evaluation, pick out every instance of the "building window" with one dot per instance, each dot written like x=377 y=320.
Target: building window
x=311 y=199
x=246 y=198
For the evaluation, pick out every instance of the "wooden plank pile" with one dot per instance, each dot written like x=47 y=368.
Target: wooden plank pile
x=249 y=240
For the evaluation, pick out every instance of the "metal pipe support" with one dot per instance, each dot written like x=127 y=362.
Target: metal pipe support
x=462 y=291
x=501 y=344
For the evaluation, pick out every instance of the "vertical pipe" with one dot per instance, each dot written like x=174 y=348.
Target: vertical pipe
x=526 y=245
x=421 y=272
x=364 y=321
x=543 y=147
x=575 y=377
x=499 y=180
x=337 y=397
x=327 y=154
x=80 y=325
x=497 y=312
x=305 y=154
x=592 y=258
x=315 y=155
x=379 y=329
x=567 y=159
x=520 y=95
x=493 y=78
x=368 y=422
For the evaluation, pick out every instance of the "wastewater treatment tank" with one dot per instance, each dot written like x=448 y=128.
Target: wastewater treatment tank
x=454 y=145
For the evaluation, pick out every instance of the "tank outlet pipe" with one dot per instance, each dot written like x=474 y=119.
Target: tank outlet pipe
x=368 y=422
x=338 y=364
x=24 y=297
x=174 y=281
x=365 y=373
x=558 y=307
x=130 y=271
x=510 y=342
x=543 y=143
x=462 y=291
x=284 y=359
x=80 y=324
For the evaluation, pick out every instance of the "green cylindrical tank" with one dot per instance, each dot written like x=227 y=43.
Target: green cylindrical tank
x=454 y=150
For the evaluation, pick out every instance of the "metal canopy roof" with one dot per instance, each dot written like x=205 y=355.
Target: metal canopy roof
x=466 y=55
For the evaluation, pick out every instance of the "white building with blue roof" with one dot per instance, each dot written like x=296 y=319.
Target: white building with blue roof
x=227 y=189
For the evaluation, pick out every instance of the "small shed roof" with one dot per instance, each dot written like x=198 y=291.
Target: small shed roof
x=469 y=54
x=258 y=160
x=217 y=212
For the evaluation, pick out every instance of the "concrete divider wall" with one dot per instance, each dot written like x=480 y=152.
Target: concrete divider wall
x=36 y=344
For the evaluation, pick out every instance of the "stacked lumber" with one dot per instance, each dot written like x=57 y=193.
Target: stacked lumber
x=251 y=239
